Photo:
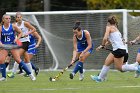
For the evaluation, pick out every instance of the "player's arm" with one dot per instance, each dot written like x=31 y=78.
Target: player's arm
x=105 y=38
x=107 y=43
x=0 y=35
x=30 y=27
x=39 y=39
x=135 y=40
x=74 y=49
x=18 y=31
x=89 y=41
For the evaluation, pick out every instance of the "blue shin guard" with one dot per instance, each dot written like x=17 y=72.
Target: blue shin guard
x=3 y=70
x=24 y=67
x=78 y=67
x=33 y=66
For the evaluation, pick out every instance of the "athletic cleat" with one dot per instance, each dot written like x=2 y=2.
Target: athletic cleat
x=32 y=77
x=3 y=79
x=137 y=74
x=95 y=78
x=37 y=71
x=11 y=75
x=20 y=73
x=81 y=76
x=136 y=64
x=71 y=75
x=25 y=75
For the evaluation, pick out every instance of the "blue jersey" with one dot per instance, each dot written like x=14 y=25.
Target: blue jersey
x=7 y=35
x=82 y=43
x=31 y=48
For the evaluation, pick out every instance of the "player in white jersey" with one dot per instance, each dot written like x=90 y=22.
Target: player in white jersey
x=27 y=29
x=116 y=56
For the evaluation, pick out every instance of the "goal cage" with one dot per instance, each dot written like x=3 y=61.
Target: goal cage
x=55 y=27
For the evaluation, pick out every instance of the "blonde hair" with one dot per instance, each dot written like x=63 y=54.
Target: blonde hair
x=3 y=18
x=18 y=13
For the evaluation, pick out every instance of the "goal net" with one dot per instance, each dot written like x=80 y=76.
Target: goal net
x=55 y=51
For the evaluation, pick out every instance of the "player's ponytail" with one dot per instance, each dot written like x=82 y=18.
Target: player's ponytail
x=113 y=20
x=77 y=26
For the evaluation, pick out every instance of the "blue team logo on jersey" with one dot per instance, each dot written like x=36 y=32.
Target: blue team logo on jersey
x=7 y=33
x=83 y=42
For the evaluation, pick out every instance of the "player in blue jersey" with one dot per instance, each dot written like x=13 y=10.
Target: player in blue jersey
x=82 y=48
x=32 y=48
x=138 y=54
x=35 y=40
x=7 y=36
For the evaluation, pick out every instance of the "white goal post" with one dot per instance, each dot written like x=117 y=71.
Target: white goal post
x=62 y=20
x=124 y=11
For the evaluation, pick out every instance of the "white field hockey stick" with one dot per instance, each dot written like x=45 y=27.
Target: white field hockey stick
x=60 y=73
x=9 y=46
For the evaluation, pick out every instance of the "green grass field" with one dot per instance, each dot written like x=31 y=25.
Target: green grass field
x=117 y=83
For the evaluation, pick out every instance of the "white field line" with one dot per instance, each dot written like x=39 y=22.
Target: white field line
x=70 y=88
x=130 y=86
x=67 y=70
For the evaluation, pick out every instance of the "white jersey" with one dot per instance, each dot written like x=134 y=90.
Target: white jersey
x=116 y=40
x=24 y=30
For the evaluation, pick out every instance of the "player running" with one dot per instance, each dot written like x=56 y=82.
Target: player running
x=114 y=36
x=138 y=55
x=82 y=48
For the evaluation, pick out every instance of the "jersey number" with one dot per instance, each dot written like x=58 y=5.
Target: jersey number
x=7 y=38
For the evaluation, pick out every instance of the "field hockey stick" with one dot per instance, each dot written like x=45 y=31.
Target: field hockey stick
x=132 y=43
x=60 y=73
x=9 y=46
x=108 y=49
x=136 y=44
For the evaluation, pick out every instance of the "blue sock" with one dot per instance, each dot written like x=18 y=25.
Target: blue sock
x=33 y=66
x=6 y=64
x=20 y=69
x=78 y=67
x=81 y=69
x=24 y=67
x=3 y=70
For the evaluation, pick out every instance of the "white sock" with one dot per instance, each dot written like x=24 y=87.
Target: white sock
x=15 y=67
x=104 y=72
x=29 y=67
x=129 y=67
x=136 y=63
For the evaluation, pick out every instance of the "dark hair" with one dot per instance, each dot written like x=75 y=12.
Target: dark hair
x=112 y=20
x=77 y=26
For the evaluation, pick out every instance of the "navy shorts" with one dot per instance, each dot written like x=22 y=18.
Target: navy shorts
x=126 y=58
x=25 y=45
